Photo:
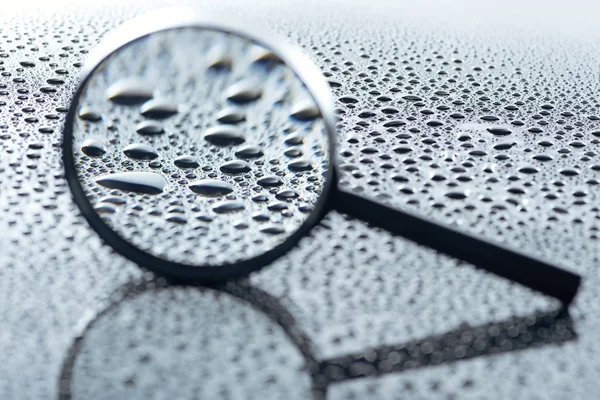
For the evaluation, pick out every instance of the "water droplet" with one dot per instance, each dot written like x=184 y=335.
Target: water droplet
x=262 y=55
x=176 y=219
x=235 y=167
x=130 y=91
x=305 y=110
x=224 y=135
x=139 y=182
x=456 y=195
x=277 y=206
x=270 y=181
x=231 y=115
x=249 y=152
x=211 y=188
x=88 y=114
x=294 y=140
x=293 y=152
x=149 y=128
x=140 y=151
x=186 y=161
x=287 y=194
x=499 y=130
x=300 y=165
x=93 y=147
x=349 y=99
x=105 y=208
x=158 y=109
x=273 y=229
x=228 y=206
x=243 y=92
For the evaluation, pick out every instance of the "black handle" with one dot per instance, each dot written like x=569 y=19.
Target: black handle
x=508 y=263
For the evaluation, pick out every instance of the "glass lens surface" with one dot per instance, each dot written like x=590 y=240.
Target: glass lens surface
x=199 y=146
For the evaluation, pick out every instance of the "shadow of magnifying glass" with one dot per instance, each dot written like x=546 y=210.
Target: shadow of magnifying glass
x=237 y=341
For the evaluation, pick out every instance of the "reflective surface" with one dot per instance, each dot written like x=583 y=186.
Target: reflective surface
x=349 y=287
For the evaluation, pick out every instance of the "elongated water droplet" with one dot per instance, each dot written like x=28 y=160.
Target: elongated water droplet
x=140 y=151
x=93 y=147
x=129 y=91
x=499 y=130
x=249 y=152
x=228 y=206
x=270 y=181
x=211 y=188
x=300 y=165
x=273 y=229
x=235 y=167
x=187 y=161
x=158 y=109
x=88 y=114
x=224 y=135
x=243 y=92
x=149 y=128
x=231 y=115
x=139 y=182
x=305 y=110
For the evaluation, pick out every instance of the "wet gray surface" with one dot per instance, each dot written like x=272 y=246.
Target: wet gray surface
x=488 y=120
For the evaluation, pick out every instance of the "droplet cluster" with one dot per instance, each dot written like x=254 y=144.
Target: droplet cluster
x=199 y=147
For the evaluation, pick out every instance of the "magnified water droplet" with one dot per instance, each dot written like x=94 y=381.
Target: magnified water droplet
x=140 y=182
x=273 y=229
x=149 y=128
x=228 y=206
x=93 y=147
x=499 y=130
x=305 y=110
x=231 y=115
x=158 y=109
x=105 y=208
x=277 y=206
x=129 y=91
x=224 y=135
x=293 y=152
x=235 y=167
x=112 y=199
x=218 y=58
x=243 y=92
x=300 y=165
x=211 y=188
x=262 y=55
x=270 y=181
x=88 y=114
x=187 y=161
x=287 y=194
x=140 y=151
x=249 y=152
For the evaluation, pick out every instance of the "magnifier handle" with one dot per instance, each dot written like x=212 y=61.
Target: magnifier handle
x=508 y=263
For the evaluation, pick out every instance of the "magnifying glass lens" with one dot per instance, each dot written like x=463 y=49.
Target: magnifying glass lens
x=199 y=147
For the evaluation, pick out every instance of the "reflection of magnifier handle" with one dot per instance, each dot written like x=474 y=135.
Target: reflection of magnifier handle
x=518 y=267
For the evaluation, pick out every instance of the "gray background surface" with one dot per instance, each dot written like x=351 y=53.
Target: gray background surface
x=348 y=287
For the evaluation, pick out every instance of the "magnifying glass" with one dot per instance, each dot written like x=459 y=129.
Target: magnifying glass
x=203 y=148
